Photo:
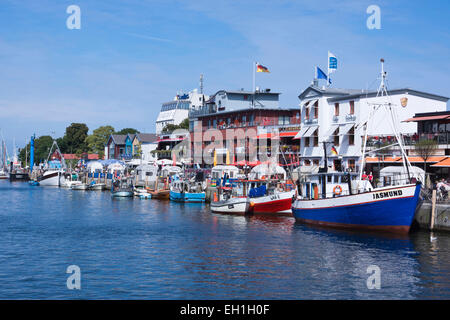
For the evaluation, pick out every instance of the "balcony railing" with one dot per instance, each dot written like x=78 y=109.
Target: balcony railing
x=350 y=117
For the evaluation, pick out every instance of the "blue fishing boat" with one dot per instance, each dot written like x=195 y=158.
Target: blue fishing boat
x=348 y=200
x=355 y=204
x=182 y=191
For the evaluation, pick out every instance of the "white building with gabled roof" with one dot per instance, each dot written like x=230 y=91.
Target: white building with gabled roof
x=337 y=117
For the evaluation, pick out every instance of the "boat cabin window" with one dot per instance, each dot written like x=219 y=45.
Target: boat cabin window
x=329 y=179
x=307 y=191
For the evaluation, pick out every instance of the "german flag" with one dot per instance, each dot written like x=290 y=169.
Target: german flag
x=261 y=68
x=334 y=151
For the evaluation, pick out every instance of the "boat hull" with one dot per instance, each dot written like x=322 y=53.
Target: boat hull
x=160 y=194
x=233 y=205
x=82 y=186
x=19 y=177
x=388 y=209
x=277 y=203
x=97 y=186
x=53 y=179
x=187 y=197
x=122 y=194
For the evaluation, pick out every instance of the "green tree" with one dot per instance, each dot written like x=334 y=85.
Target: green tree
x=128 y=131
x=169 y=128
x=425 y=149
x=172 y=127
x=42 y=147
x=97 y=140
x=75 y=138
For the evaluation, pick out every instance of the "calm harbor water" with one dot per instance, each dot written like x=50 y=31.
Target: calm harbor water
x=149 y=249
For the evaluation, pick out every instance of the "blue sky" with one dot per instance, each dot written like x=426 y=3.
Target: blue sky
x=130 y=56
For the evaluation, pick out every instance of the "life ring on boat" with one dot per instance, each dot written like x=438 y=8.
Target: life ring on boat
x=337 y=190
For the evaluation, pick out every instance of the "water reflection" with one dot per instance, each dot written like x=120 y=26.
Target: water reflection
x=154 y=249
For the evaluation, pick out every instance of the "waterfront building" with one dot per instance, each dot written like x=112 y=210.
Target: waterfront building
x=430 y=126
x=257 y=111
x=177 y=110
x=337 y=117
x=143 y=145
x=119 y=146
x=165 y=144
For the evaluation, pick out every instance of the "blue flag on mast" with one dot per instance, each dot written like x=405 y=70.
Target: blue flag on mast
x=320 y=74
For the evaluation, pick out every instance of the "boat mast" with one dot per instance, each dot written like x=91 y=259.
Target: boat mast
x=393 y=118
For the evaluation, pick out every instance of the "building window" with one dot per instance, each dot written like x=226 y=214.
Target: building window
x=351 y=136
x=306 y=113
x=316 y=162
x=351 y=165
x=209 y=123
x=336 y=109
x=307 y=142
x=214 y=123
x=252 y=119
x=316 y=138
x=352 y=107
x=244 y=120
x=307 y=162
x=316 y=110
x=282 y=120
x=336 y=137
x=337 y=166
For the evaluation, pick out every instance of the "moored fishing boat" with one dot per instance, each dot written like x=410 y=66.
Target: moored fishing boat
x=270 y=199
x=3 y=174
x=161 y=191
x=122 y=188
x=183 y=191
x=348 y=200
x=70 y=180
x=97 y=186
x=230 y=197
x=80 y=186
x=53 y=174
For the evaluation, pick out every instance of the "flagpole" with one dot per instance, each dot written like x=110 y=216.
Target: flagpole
x=328 y=74
x=254 y=79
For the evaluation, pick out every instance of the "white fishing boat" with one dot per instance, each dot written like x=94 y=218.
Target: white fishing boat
x=3 y=174
x=231 y=205
x=142 y=193
x=70 y=180
x=97 y=186
x=229 y=199
x=54 y=169
x=81 y=186
x=53 y=176
x=69 y=183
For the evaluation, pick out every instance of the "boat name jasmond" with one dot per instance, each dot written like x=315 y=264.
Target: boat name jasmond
x=387 y=194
